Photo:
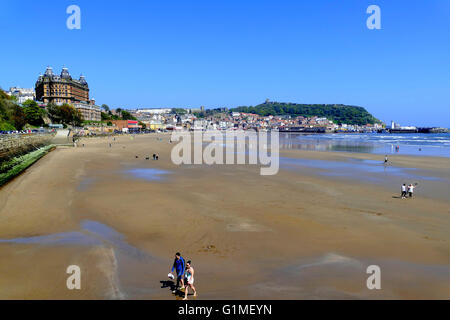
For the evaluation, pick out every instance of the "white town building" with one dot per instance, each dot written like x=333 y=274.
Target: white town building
x=22 y=94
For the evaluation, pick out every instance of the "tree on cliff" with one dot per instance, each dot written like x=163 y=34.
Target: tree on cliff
x=65 y=114
x=127 y=116
x=18 y=117
x=106 y=108
x=12 y=116
x=33 y=113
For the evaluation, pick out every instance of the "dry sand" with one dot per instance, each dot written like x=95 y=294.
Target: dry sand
x=295 y=235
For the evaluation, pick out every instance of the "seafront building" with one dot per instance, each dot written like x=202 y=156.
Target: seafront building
x=59 y=89
x=22 y=94
x=126 y=125
x=89 y=112
x=152 y=111
x=52 y=88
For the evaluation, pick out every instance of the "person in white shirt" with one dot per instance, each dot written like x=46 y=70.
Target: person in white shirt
x=404 y=191
x=411 y=190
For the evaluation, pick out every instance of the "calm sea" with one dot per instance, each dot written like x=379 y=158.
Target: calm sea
x=412 y=144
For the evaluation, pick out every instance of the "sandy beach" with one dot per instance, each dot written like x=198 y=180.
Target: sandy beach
x=305 y=233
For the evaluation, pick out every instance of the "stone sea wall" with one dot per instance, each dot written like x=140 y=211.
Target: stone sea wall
x=20 y=144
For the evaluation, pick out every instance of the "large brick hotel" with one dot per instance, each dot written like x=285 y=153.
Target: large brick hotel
x=59 y=89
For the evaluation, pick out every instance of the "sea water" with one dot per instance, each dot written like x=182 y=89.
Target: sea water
x=422 y=144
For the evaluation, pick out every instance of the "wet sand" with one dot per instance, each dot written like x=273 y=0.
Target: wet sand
x=301 y=234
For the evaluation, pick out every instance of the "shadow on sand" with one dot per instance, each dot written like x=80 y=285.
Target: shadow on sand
x=171 y=285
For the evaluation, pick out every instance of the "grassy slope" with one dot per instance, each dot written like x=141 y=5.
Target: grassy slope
x=15 y=166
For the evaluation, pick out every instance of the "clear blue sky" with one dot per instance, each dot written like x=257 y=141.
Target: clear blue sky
x=231 y=53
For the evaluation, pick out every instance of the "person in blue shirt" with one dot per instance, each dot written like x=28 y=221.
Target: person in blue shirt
x=180 y=266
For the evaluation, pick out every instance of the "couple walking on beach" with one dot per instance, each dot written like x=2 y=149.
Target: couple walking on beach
x=185 y=275
x=408 y=190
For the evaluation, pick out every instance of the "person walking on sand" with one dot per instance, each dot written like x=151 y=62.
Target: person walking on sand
x=411 y=190
x=404 y=191
x=189 y=280
x=385 y=159
x=180 y=266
